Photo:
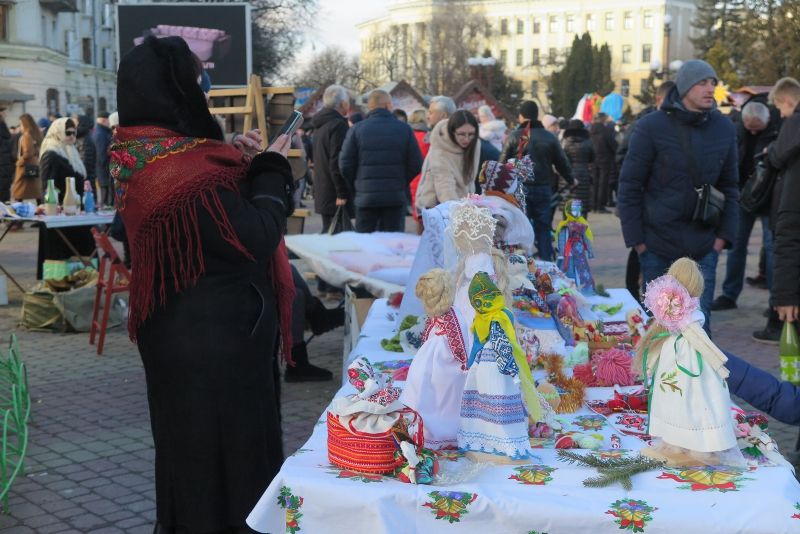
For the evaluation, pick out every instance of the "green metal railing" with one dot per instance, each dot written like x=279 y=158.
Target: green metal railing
x=15 y=411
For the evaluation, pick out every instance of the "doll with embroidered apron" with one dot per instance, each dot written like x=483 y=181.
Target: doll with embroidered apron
x=438 y=371
x=574 y=243
x=500 y=399
x=689 y=403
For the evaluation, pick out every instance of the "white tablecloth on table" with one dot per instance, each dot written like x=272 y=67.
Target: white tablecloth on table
x=67 y=221
x=317 y=250
x=317 y=497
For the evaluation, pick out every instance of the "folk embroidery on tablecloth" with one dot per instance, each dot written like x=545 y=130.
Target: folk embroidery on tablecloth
x=707 y=478
x=631 y=514
x=533 y=475
x=450 y=505
x=292 y=504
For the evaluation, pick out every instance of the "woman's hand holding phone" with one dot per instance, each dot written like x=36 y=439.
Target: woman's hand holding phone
x=281 y=145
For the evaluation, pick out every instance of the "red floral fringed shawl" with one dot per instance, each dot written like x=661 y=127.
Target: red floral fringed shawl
x=158 y=177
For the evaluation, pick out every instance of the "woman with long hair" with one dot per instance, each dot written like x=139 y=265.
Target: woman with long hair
x=27 y=184
x=211 y=288
x=452 y=162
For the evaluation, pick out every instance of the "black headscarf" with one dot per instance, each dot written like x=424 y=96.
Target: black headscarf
x=157 y=86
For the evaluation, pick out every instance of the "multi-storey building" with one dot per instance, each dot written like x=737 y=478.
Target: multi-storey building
x=531 y=38
x=57 y=56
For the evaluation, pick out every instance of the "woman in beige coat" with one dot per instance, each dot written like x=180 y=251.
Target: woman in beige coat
x=27 y=187
x=452 y=162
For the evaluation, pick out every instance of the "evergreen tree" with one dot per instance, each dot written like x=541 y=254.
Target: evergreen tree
x=719 y=21
x=720 y=58
x=648 y=95
x=587 y=69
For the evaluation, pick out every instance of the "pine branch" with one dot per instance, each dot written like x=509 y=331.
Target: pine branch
x=611 y=470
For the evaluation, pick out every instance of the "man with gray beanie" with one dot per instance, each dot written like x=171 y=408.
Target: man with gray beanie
x=684 y=148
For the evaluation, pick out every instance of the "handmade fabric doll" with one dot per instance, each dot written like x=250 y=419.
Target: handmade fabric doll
x=575 y=246
x=437 y=373
x=500 y=398
x=690 y=403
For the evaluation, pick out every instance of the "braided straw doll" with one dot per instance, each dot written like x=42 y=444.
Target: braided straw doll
x=689 y=402
x=500 y=398
x=438 y=371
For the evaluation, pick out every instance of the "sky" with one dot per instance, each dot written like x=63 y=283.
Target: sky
x=336 y=25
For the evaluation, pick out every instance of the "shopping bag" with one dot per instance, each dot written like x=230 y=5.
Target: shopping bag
x=340 y=222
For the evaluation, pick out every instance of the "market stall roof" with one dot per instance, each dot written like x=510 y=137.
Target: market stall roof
x=403 y=94
x=8 y=94
x=473 y=95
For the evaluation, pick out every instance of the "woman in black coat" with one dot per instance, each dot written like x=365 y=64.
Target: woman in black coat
x=579 y=150
x=211 y=285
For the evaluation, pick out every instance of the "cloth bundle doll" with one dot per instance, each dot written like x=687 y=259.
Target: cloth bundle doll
x=436 y=377
x=574 y=243
x=500 y=398
x=690 y=404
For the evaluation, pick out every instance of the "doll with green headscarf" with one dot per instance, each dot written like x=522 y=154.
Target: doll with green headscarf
x=574 y=244
x=500 y=399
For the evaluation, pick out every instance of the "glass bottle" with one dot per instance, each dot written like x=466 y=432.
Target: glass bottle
x=790 y=353
x=88 y=197
x=51 y=199
x=71 y=205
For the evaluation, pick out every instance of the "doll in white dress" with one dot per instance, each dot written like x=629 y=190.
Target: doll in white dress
x=690 y=405
x=437 y=373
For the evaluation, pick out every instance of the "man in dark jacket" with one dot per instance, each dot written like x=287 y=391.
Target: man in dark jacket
x=330 y=129
x=531 y=138
x=380 y=156
x=7 y=159
x=784 y=155
x=102 y=139
x=672 y=151
x=85 y=146
x=755 y=131
x=605 y=148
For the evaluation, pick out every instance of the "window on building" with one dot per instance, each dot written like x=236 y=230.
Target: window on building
x=110 y=64
x=519 y=57
x=553 y=25
x=504 y=27
x=590 y=25
x=108 y=14
x=643 y=86
x=102 y=104
x=627 y=20
x=626 y=53
x=503 y=57
x=552 y=54
x=647 y=19
x=570 y=23
x=535 y=56
x=51 y=96
x=520 y=26
x=647 y=52
x=535 y=88
x=609 y=21
x=87 y=50
x=625 y=87
x=537 y=26
x=4 y=15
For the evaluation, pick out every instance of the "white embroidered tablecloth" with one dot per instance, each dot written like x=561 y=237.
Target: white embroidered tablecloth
x=309 y=495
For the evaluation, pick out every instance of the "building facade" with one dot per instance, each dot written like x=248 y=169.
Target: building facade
x=57 y=56
x=531 y=38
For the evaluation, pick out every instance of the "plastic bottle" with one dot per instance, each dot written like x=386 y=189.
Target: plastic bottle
x=51 y=199
x=71 y=204
x=88 y=197
x=790 y=353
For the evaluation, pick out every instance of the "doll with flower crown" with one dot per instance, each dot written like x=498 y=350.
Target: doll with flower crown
x=574 y=244
x=436 y=377
x=690 y=405
x=500 y=400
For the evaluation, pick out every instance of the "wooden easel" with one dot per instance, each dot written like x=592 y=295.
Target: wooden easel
x=254 y=106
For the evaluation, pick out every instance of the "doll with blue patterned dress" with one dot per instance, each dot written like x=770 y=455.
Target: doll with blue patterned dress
x=574 y=243
x=500 y=400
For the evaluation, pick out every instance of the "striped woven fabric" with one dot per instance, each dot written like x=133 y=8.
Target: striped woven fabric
x=359 y=451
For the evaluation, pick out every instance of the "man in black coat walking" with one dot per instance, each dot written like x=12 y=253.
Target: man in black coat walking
x=605 y=149
x=380 y=157
x=7 y=159
x=330 y=129
x=673 y=151
x=102 y=139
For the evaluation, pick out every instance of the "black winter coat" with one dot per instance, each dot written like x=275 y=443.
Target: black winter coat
x=8 y=160
x=85 y=145
x=545 y=152
x=380 y=156
x=102 y=139
x=330 y=129
x=604 y=142
x=656 y=192
x=55 y=167
x=784 y=155
x=580 y=153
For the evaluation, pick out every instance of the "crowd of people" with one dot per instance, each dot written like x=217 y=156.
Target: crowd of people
x=204 y=220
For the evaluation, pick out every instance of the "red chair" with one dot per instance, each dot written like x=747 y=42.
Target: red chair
x=114 y=277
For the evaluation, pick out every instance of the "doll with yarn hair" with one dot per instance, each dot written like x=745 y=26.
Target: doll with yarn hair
x=690 y=405
x=574 y=243
x=438 y=371
x=500 y=400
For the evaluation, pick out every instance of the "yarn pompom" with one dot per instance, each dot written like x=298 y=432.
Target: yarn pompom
x=585 y=374
x=613 y=367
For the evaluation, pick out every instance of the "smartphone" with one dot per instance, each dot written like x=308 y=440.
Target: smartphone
x=291 y=125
